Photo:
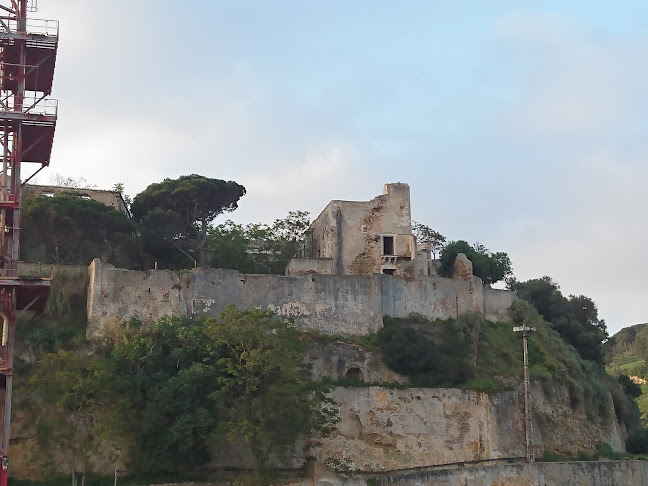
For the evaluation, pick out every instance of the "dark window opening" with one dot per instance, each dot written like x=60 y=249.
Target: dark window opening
x=388 y=245
x=388 y=271
x=354 y=374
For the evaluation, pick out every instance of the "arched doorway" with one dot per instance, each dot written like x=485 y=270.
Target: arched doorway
x=354 y=374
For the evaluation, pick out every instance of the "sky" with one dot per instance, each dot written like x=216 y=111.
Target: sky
x=520 y=125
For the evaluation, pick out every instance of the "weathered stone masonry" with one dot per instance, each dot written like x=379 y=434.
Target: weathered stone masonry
x=362 y=263
x=608 y=473
x=384 y=430
x=330 y=304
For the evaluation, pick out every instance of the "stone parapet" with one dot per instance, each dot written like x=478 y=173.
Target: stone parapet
x=348 y=305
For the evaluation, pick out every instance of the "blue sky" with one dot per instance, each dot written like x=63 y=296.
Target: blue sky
x=519 y=125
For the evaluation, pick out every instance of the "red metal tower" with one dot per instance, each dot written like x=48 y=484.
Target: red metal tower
x=27 y=120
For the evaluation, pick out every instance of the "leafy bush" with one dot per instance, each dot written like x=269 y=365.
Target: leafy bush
x=626 y=409
x=69 y=229
x=629 y=387
x=547 y=456
x=408 y=351
x=257 y=247
x=637 y=442
x=584 y=456
x=575 y=318
x=430 y=352
x=490 y=267
x=603 y=449
x=166 y=391
x=483 y=385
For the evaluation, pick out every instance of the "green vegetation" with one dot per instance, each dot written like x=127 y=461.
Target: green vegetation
x=172 y=226
x=408 y=352
x=167 y=394
x=638 y=441
x=437 y=352
x=625 y=354
x=575 y=318
x=630 y=388
x=68 y=229
x=179 y=212
x=98 y=480
x=603 y=451
x=166 y=374
x=266 y=388
x=472 y=353
x=490 y=267
x=427 y=236
x=257 y=248
x=63 y=324
x=71 y=388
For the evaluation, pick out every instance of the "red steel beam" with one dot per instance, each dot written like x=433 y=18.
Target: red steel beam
x=14 y=291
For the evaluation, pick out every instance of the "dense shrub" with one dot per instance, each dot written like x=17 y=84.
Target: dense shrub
x=490 y=267
x=629 y=387
x=430 y=352
x=637 y=442
x=408 y=351
x=574 y=317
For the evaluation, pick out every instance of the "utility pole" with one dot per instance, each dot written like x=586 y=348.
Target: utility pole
x=528 y=428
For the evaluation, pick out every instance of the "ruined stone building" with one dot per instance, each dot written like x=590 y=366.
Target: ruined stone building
x=113 y=199
x=364 y=238
x=344 y=285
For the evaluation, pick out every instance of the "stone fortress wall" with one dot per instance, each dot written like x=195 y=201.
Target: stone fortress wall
x=360 y=262
x=329 y=304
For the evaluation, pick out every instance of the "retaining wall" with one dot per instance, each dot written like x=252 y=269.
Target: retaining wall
x=605 y=473
x=382 y=429
x=330 y=304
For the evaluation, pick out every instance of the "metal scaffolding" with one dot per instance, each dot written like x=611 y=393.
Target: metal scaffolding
x=28 y=50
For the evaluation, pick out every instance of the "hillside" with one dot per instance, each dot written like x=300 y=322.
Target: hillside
x=625 y=354
x=626 y=351
x=464 y=379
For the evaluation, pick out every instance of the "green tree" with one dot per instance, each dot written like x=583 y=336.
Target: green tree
x=637 y=442
x=575 y=318
x=490 y=267
x=407 y=351
x=270 y=397
x=431 y=356
x=630 y=388
x=426 y=235
x=227 y=246
x=69 y=229
x=544 y=294
x=256 y=247
x=181 y=210
x=119 y=187
x=272 y=247
x=80 y=420
x=167 y=373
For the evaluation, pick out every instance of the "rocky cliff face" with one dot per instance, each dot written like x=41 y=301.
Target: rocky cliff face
x=382 y=429
x=339 y=360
